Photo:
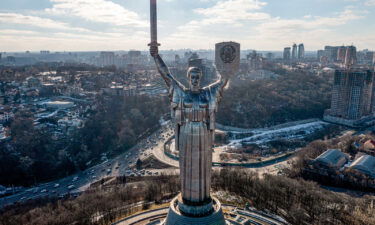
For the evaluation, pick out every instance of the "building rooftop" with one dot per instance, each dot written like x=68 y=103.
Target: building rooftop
x=365 y=164
x=332 y=158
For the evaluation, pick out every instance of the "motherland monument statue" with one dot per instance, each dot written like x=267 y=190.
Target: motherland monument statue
x=193 y=110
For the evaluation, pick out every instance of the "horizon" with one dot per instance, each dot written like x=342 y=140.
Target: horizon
x=84 y=25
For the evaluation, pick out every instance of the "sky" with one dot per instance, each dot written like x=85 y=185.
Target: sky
x=96 y=25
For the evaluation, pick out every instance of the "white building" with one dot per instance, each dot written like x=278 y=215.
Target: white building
x=364 y=164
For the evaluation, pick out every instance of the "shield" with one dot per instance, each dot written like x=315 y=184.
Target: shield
x=227 y=57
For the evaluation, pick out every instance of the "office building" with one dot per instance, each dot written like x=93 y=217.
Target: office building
x=106 y=59
x=350 y=56
x=255 y=61
x=286 y=54
x=270 y=55
x=351 y=97
x=301 y=51
x=331 y=53
x=320 y=54
x=294 y=51
x=341 y=54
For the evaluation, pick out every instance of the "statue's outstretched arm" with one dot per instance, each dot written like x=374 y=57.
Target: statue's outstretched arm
x=221 y=82
x=163 y=70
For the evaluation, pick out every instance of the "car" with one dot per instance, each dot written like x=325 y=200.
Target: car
x=71 y=186
x=56 y=185
x=43 y=191
x=109 y=170
x=75 y=179
x=23 y=199
x=117 y=167
x=93 y=177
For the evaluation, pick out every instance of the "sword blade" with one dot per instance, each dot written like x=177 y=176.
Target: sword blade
x=153 y=22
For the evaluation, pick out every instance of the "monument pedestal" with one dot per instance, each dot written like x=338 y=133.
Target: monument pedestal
x=182 y=214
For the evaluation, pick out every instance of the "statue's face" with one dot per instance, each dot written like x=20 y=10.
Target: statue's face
x=195 y=79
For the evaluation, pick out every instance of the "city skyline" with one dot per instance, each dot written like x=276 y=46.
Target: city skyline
x=96 y=25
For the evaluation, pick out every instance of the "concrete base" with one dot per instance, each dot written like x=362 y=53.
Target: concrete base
x=175 y=217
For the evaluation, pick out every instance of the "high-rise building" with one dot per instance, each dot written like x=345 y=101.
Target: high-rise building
x=135 y=57
x=255 y=60
x=320 y=54
x=269 y=55
x=341 y=54
x=294 y=51
x=352 y=94
x=301 y=51
x=331 y=53
x=177 y=59
x=286 y=54
x=369 y=55
x=134 y=54
x=107 y=58
x=351 y=56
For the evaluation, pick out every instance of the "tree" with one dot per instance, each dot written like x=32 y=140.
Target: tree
x=139 y=164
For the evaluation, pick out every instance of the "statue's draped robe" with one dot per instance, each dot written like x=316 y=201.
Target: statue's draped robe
x=194 y=117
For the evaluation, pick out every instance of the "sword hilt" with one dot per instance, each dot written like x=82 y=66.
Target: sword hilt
x=154 y=43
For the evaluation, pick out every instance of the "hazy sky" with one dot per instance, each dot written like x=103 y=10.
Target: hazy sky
x=75 y=25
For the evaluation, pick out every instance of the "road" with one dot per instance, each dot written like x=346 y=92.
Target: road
x=80 y=181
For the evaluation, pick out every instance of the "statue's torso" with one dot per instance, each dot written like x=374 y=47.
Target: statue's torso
x=195 y=107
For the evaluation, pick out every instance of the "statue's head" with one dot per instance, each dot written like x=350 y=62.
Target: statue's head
x=194 y=75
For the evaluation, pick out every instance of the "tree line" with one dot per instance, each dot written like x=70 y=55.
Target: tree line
x=114 y=127
x=292 y=96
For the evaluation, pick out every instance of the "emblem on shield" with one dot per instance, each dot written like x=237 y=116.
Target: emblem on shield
x=228 y=53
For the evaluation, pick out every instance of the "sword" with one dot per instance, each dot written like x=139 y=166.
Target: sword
x=153 y=24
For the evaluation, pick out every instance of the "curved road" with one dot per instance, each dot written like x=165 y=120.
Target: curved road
x=80 y=181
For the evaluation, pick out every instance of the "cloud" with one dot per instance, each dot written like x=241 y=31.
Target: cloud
x=127 y=28
x=277 y=26
x=35 y=21
x=245 y=21
x=101 y=11
x=224 y=15
x=232 y=11
x=21 y=40
x=370 y=3
x=18 y=32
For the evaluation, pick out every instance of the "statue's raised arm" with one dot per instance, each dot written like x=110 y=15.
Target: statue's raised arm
x=161 y=66
x=221 y=82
